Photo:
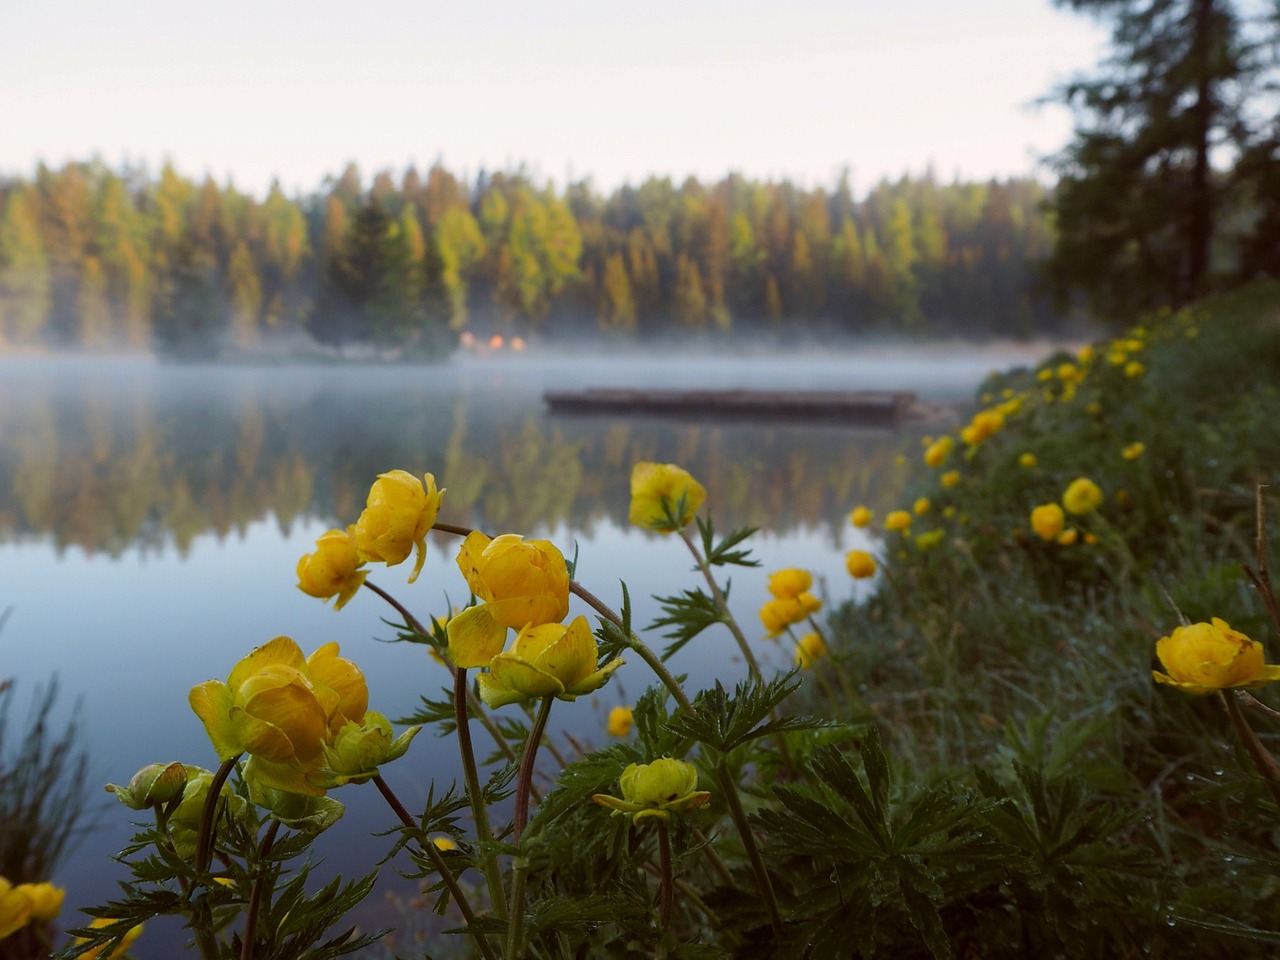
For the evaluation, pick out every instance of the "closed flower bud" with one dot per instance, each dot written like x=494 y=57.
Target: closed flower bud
x=810 y=648
x=860 y=516
x=399 y=511
x=790 y=582
x=938 y=451
x=184 y=823
x=897 y=520
x=360 y=748
x=297 y=811
x=664 y=497
x=621 y=720
x=15 y=909
x=860 y=564
x=1082 y=496
x=152 y=786
x=656 y=790
x=1047 y=521
x=333 y=570
x=549 y=660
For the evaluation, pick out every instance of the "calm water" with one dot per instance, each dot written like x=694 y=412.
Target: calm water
x=151 y=518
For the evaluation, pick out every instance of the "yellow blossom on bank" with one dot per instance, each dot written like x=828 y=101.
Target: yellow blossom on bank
x=1134 y=450
x=1134 y=369
x=983 y=425
x=810 y=648
x=656 y=790
x=790 y=582
x=664 y=497
x=920 y=507
x=860 y=564
x=621 y=720
x=548 y=660
x=860 y=516
x=1082 y=496
x=522 y=582
x=1070 y=374
x=1068 y=537
x=950 y=478
x=781 y=612
x=1203 y=658
x=1045 y=375
x=1027 y=461
x=938 y=451
x=1047 y=521
x=399 y=511
x=897 y=520
x=334 y=570
x=120 y=950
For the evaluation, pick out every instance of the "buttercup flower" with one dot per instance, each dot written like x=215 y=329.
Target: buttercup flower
x=522 y=582
x=656 y=790
x=46 y=900
x=938 y=451
x=663 y=496
x=621 y=720
x=950 y=478
x=1068 y=537
x=897 y=520
x=809 y=650
x=121 y=948
x=921 y=507
x=1205 y=657
x=1047 y=521
x=333 y=570
x=1027 y=461
x=790 y=582
x=359 y=749
x=399 y=512
x=781 y=612
x=983 y=425
x=15 y=909
x=860 y=517
x=548 y=660
x=1082 y=496
x=860 y=564
x=1134 y=450
x=1134 y=369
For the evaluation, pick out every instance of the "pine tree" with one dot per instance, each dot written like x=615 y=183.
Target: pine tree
x=25 y=279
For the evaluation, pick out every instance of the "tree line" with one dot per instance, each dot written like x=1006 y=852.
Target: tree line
x=96 y=258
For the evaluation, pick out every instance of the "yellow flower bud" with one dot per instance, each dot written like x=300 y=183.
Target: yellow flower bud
x=938 y=451
x=46 y=900
x=1027 y=461
x=121 y=947
x=790 y=582
x=664 y=497
x=360 y=748
x=548 y=660
x=810 y=648
x=1082 y=496
x=1133 y=369
x=656 y=790
x=333 y=570
x=921 y=507
x=930 y=540
x=1205 y=657
x=1047 y=521
x=860 y=516
x=1134 y=450
x=781 y=612
x=950 y=478
x=184 y=823
x=1068 y=537
x=897 y=520
x=152 y=786
x=398 y=513
x=621 y=720
x=860 y=564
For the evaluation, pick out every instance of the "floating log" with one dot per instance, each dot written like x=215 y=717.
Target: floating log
x=861 y=407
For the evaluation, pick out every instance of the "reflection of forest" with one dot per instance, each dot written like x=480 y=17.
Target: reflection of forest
x=106 y=463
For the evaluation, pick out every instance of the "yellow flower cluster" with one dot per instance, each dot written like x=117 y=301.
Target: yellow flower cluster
x=24 y=903
x=792 y=602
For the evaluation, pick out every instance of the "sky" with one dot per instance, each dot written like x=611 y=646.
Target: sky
x=251 y=90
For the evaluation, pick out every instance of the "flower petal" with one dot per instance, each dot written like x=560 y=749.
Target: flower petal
x=475 y=637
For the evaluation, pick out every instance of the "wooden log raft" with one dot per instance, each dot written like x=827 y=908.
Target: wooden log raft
x=862 y=407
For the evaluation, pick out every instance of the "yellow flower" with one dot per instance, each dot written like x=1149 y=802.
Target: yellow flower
x=1134 y=450
x=398 y=514
x=522 y=582
x=46 y=899
x=927 y=541
x=444 y=843
x=950 y=478
x=359 y=748
x=1082 y=496
x=790 y=582
x=1047 y=521
x=663 y=496
x=1027 y=461
x=15 y=909
x=809 y=650
x=860 y=564
x=897 y=520
x=781 y=612
x=938 y=451
x=549 y=660
x=333 y=570
x=273 y=708
x=921 y=507
x=983 y=425
x=1068 y=537
x=1045 y=375
x=1134 y=369
x=1069 y=373
x=1085 y=354
x=121 y=948
x=656 y=790
x=152 y=786
x=1206 y=657
x=860 y=517
x=621 y=720
x=184 y=822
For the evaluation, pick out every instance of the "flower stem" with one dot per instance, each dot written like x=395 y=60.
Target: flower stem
x=255 y=896
x=1261 y=757
x=525 y=778
x=478 y=809
x=665 y=879
x=639 y=646
x=739 y=816
x=437 y=861
x=204 y=841
x=723 y=605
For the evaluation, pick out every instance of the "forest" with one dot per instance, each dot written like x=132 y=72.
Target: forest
x=96 y=259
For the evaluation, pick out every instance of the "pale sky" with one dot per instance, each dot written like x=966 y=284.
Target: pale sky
x=294 y=89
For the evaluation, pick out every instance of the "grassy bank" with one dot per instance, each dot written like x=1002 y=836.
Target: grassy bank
x=1013 y=662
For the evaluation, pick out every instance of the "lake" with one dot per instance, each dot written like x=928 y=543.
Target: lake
x=151 y=518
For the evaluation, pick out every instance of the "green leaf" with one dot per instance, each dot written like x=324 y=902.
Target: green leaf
x=688 y=615
x=723 y=553
x=724 y=722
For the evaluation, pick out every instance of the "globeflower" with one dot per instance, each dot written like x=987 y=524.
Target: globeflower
x=1134 y=450
x=1133 y=369
x=621 y=720
x=1082 y=496
x=983 y=425
x=809 y=650
x=664 y=497
x=15 y=909
x=860 y=564
x=938 y=451
x=1206 y=657
x=548 y=660
x=359 y=749
x=656 y=790
x=1027 y=461
x=790 y=582
x=860 y=517
x=46 y=900
x=121 y=948
x=1047 y=521
x=781 y=612
x=333 y=570
x=897 y=520
x=950 y=478
x=522 y=582
x=399 y=512
x=921 y=507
